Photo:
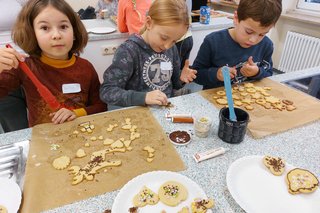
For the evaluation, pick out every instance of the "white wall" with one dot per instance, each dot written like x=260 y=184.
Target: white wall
x=278 y=34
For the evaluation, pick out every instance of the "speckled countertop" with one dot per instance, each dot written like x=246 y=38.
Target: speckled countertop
x=300 y=147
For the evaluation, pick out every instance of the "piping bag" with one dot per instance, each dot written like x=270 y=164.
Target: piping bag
x=43 y=90
x=227 y=86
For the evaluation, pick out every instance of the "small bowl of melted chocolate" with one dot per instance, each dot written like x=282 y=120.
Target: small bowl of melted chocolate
x=180 y=138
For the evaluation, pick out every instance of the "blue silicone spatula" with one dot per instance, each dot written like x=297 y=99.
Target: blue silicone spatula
x=227 y=86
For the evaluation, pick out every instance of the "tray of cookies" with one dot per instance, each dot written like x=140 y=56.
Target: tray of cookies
x=162 y=191
x=269 y=184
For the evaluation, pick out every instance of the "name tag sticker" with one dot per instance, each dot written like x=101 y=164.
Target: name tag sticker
x=166 y=65
x=71 y=88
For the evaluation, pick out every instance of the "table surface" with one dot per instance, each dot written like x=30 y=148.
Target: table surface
x=299 y=147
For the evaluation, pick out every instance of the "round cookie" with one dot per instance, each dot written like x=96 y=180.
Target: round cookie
x=222 y=101
x=3 y=209
x=221 y=93
x=172 y=193
x=61 y=162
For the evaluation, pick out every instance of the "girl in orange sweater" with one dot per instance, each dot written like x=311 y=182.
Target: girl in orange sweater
x=51 y=33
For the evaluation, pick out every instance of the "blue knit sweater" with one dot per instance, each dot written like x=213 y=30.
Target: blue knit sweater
x=219 y=49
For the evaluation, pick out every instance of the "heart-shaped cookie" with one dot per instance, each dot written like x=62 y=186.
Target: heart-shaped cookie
x=144 y=197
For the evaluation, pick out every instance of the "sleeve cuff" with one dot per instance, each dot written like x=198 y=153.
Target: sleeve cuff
x=80 y=112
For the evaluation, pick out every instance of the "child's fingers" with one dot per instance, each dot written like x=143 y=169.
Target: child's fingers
x=9 y=58
x=61 y=118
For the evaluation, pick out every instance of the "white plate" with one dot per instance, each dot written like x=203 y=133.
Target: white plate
x=255 y=189
x=154 y=180
x=101 y=30
x=10 y=195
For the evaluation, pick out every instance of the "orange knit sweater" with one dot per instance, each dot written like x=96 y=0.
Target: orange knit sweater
x=78 y=70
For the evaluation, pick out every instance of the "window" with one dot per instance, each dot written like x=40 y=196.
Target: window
x=313 y=5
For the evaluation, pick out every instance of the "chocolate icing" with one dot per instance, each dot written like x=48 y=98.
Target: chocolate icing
x=180 y=137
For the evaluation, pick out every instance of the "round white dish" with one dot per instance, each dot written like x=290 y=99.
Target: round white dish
x=179 y=144
x=256 y=189
x=154 y=180
x=10 y=195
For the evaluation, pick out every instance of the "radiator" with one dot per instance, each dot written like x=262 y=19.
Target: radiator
x=299 y=52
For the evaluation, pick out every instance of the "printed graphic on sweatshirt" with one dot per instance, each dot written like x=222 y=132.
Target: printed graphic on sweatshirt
x=157 y=71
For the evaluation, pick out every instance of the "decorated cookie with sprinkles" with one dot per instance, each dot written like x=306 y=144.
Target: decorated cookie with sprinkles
x=276 y=165
x=201 y=205
x=144 y=197
x=301 y=181
x=172 y=193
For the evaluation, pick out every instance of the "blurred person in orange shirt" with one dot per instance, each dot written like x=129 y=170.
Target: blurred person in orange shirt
x=132 y=15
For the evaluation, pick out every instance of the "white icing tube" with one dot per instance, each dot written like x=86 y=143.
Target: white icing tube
x=201 y=156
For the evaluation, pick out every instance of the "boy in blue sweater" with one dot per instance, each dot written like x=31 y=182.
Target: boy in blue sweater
x=244 y=48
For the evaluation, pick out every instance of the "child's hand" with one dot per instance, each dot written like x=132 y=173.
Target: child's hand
x=187 y=74
x=233 y=73
x=250 y=68
x=9 y=58
x=156 y=97
x=101 y=15
x=62 y=115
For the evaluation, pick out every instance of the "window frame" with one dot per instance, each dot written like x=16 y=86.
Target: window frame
x=310 y=6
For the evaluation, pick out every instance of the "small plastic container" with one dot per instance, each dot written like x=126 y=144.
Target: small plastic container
x=202 y=125
x=105 y=13
x=204 y=15
x=232 y=131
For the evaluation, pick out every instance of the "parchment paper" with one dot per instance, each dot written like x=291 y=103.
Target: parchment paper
x=46 y=188
x=265 y=122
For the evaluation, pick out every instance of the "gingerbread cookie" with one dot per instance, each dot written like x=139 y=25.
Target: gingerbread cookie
x=172 y=193
x=144 y=197
x=275 y=164
x=301 y=181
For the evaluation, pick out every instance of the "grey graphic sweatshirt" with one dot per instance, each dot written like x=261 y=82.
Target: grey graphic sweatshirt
x=136 y=69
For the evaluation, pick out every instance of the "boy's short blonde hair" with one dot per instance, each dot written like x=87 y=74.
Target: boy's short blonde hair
x=23 y=32
x=267 y=12
x=168 y=12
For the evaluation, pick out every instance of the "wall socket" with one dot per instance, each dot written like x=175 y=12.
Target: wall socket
x=108 y=50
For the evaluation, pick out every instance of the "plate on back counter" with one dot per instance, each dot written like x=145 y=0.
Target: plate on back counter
x=10 y=195
x=101 y=30
x=154 y=180
x=255 y=189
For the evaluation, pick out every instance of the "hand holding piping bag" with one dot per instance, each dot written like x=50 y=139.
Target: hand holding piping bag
x=43 y=90
x=10 y=58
